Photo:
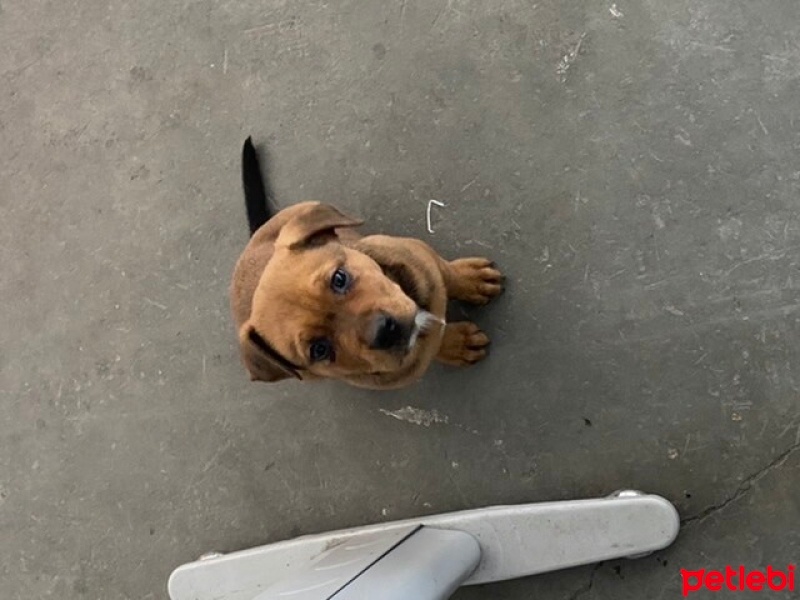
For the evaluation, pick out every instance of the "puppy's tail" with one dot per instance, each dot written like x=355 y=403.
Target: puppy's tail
x=257 y=196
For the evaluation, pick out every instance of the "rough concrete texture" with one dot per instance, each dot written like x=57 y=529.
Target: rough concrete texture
x=634 y=168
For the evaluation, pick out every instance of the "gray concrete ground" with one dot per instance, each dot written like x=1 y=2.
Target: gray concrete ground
x=634 y=168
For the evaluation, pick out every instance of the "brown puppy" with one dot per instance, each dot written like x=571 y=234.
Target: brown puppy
x=312 y=299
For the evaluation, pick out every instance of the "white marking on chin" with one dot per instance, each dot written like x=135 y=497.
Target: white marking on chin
x=423 y=323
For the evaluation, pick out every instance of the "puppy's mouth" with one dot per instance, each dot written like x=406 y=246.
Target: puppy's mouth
x=424 y=323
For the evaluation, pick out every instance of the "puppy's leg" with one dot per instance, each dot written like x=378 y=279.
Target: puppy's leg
x=463 y=344
x=473 y=280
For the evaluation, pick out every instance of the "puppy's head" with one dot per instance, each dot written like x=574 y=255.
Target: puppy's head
x=322 y=309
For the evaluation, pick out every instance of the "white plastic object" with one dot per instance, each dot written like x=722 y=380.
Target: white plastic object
x=423 y=563
x=514 y=541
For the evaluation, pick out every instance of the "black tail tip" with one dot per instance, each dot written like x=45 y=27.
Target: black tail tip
x=256 y=191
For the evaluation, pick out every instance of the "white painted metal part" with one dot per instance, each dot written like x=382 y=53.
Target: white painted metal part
x=515 y=541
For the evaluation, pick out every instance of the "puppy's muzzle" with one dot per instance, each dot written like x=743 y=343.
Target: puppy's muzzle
x=390 y=333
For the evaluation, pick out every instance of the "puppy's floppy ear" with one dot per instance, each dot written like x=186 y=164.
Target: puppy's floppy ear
x=317 y=224
x=261 y=360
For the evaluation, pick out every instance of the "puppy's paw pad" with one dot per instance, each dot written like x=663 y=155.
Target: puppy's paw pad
x=463 y=344
x=478 y=281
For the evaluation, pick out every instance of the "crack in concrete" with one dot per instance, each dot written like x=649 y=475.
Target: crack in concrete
x=744 y=487
x=586 y=587
x=741 y=490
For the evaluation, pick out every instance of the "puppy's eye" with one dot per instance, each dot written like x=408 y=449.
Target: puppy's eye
x=320 y=350
x=340 y=281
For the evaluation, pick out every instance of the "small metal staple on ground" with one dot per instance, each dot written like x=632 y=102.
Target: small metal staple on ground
x=430 y=204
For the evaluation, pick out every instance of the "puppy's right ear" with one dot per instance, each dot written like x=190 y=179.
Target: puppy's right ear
x=261 y=359
x=316 y=223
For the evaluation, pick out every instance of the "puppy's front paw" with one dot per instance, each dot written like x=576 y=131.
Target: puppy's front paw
x=474 y=280
x=463 y=344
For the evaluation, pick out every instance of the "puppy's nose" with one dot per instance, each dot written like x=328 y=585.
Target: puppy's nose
x=389 y=333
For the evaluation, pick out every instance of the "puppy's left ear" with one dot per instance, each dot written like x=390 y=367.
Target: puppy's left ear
x=314 y=226
x=262 y=361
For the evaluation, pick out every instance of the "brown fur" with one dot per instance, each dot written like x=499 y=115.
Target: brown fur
x=281 y=300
